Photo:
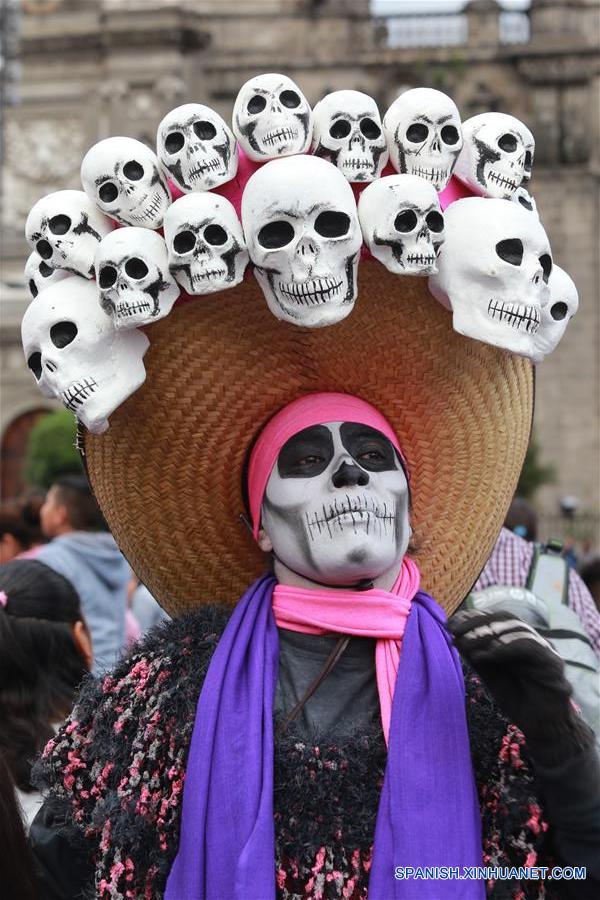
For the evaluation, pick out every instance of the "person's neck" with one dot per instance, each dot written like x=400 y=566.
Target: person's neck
x=383 y=582
x=61 y=530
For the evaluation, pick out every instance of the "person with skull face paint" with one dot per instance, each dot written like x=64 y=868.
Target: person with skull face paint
x=341 y=623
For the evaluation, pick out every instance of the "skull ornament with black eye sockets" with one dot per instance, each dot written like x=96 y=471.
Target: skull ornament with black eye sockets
x=524 y=199
x=196 y=148
x=272 y=118
x=39 y=275
x=556 y=314
x=493 y=272
x=76 y=355
x=205 y=242
x=347 y=131
x=132 y=268
x=402 y=223
x=65 y=228
x=424 y=136
x=124 y=179
x=497 y=155
x=301 y=226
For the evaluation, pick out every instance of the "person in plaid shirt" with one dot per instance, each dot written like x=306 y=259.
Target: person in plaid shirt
x=510 y=563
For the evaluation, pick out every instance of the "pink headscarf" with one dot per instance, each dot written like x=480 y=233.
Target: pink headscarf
x=312 y=409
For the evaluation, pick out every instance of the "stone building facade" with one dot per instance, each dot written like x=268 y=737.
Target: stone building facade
x=92 y=68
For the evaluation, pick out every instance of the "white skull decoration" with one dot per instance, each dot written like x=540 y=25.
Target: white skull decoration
x=494 y=268
x=525 y=199
x=65 y=228
x=423 y=132
x=123 y=177
x=272 y=118
x=136 y=287
x=301 y=225
x=196 y=148
x=205 y=242
x=497 y=155
x=348 y=132
x=556 y=314
x=39 y=275
x=402 y=223
x=76 y=355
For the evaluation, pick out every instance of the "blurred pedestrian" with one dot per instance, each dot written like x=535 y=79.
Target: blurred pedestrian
x=83 y=550
x=20 y=531
x=144 y=607
x=45 y=652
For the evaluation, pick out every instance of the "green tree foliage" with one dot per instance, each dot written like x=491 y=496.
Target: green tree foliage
x=51 y=449
x=534 y=473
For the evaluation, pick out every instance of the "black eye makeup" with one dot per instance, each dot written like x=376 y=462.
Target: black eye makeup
x=306 y=454
x=369 y=447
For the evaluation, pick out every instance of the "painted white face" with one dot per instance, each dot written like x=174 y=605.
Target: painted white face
x=348 y=132
x=497 y=155
x=556 y=314
x=39 y=275
x=402 y=224
x=424 y=136
x=336 y=504
x=124 y=179
x=65 y=228
x=136 y=287
x=272 y=118
x=205 y=243
x=76 y=354
x=493 y=271
x=196 y=148
x=301 y=225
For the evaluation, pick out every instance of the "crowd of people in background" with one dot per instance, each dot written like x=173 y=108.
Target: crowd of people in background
x=70 y=606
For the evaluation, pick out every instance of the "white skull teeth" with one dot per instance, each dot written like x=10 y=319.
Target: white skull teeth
x=132 y=309
x=435 y=176
x=282 y=134
x=150 y=211
x=311 y=293
x=350 y=512
x=502 y=180
x=198 y=278
x=77 y=393
x=421 y=259
x=211 y=165
x=517 y=315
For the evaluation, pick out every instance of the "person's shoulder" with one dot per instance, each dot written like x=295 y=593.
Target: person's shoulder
x=149 y=696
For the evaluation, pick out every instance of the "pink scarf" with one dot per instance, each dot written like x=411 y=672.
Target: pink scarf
x=376 y=614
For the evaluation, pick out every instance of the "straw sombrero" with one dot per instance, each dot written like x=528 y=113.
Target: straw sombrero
x=167 y=474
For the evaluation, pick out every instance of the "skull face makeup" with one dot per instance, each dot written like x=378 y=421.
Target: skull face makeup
x=402 y=224
x=348 y=132
x=123 y=177
x=135 y=285
x=65 y=228
x=272 y=118
x=336 y=504
x=39 y=275
x=301 y=225
x=556 y=314
x=423 y=132
x=76 y=355
x=497 y=155
x=196 y=148
x=494 y=268
x=207 y=250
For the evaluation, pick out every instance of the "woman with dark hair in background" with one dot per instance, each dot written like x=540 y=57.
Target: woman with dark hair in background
x=16 y=863
x=45 y=651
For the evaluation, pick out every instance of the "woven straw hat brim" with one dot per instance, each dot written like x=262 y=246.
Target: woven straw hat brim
x=167 y=473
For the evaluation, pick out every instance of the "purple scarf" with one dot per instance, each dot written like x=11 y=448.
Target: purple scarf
x=428 y=811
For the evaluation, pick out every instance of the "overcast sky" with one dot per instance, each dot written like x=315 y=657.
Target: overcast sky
x=389 y=7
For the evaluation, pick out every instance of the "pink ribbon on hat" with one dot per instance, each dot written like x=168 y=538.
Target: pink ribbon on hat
x=3 y=598
x=312 y=409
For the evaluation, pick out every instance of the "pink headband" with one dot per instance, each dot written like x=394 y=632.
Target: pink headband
x=312 y=409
